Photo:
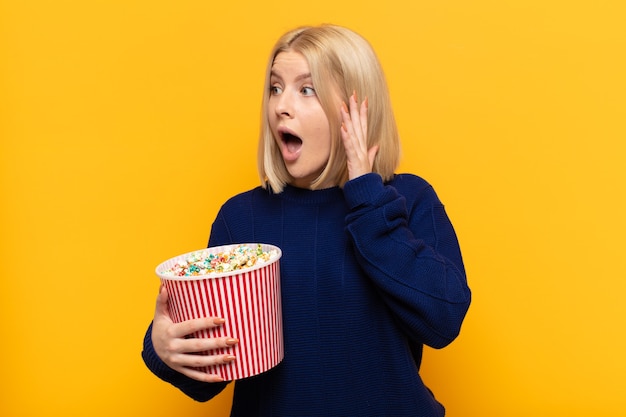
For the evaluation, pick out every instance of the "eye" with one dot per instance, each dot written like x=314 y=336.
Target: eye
x=275 y=90
x=308 y=91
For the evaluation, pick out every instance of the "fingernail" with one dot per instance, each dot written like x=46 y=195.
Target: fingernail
x=344 y=107
x=366 y=101
x=229 y=358
x=231 y=341
x=343 y=127
x=354 y=95
x=219 y=321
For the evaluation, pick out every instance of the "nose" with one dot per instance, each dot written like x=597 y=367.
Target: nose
x=284 y=105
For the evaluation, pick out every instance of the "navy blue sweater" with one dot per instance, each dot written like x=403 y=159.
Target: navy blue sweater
x=370 y=273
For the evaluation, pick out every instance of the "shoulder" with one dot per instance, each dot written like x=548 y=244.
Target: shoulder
x=247 y=202
x=247 y=197
x=410 y=181
x=416 y=190
x=410 y=185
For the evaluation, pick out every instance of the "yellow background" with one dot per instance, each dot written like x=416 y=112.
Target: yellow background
x=126 y=124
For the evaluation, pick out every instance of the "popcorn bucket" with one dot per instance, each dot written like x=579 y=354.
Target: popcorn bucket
x=247 y=298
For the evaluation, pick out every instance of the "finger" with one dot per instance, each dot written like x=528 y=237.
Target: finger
x=347 y=121
x=194 y=363
x=363 y=117
x=188 y=327
x=203 y=344
x=348 y=135
x=200 y=376
x=355 y=116
x=192 y=360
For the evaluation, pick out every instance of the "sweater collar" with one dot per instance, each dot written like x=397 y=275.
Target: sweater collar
x=306 y=196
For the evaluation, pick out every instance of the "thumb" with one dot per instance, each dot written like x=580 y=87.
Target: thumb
x=161 y=302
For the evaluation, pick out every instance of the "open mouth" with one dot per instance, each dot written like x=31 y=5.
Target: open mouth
x=292 y=142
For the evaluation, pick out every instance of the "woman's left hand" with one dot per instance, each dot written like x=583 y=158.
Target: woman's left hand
x=354 y=135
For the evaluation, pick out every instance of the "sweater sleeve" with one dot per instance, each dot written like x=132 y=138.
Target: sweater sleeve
x=199 y=391
x=408 y=248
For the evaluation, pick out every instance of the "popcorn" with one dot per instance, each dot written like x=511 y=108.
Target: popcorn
x=204 y=263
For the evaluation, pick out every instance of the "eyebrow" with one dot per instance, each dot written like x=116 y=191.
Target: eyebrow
x=298 y=78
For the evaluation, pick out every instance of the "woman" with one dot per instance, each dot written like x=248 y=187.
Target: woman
x=371 y=268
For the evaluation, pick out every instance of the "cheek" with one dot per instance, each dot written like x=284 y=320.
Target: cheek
x=271 y=121
x=322 y=129
x=325 y=123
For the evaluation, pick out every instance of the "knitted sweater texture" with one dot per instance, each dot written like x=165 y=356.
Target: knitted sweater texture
x=370 y=273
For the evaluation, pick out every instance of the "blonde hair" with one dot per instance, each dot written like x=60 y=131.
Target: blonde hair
x=341 y=62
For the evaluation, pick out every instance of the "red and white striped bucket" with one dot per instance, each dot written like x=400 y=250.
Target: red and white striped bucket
x=249 y=300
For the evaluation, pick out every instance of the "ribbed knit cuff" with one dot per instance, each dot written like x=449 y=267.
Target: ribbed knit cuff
x=363 y=189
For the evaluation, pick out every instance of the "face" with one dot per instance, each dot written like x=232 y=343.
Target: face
x=297 y=120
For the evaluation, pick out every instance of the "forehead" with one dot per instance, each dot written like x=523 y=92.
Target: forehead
x=290 y=62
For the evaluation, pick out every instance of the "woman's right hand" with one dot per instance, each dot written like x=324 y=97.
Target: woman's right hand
x=181 y=353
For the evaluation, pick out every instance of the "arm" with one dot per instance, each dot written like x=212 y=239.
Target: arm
x=409 y=251
x=411 y=254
